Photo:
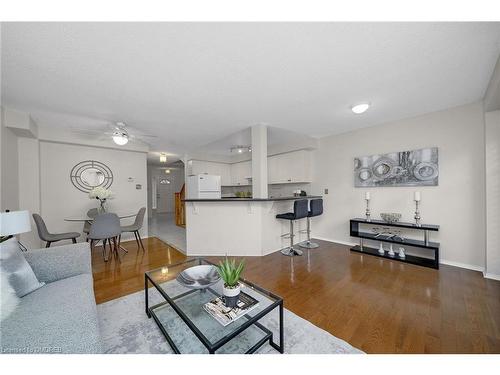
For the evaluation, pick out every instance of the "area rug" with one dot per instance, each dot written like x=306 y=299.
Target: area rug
x=125 y=328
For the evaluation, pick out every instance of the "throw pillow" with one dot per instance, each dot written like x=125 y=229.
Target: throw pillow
x=20 y=274
x=8 y=297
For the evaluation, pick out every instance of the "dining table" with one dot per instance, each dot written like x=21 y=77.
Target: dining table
x=89 y=220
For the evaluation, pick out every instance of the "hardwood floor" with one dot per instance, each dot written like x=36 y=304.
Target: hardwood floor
x=377 y=305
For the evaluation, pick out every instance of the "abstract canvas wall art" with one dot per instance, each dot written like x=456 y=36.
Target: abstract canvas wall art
x=404 y=168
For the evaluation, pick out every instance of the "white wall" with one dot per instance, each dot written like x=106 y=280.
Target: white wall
x=9 y=188
x=492 y=136
x=60 y=199
x=29 y=185
x=457 y=204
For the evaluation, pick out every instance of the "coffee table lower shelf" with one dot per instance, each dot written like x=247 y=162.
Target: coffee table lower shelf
x=267 y=338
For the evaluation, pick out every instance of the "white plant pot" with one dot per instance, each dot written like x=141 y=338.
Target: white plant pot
x=231 y=295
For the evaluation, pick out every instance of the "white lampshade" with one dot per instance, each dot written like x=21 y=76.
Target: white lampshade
x=14 y=222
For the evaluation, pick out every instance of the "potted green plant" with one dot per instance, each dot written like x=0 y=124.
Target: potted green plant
x=230 y=274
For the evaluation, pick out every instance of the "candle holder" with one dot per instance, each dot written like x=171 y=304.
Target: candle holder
x=417 y=215
x=368 y=217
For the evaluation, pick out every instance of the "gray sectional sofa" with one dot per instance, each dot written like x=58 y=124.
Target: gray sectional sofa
x=61 y=316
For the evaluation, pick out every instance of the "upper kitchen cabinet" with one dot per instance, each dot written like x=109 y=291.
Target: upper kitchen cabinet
x=212 y=168
x=290 y=167
x=241 y=173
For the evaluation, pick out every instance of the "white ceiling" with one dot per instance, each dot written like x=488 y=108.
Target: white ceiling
x=194 y=83
x=275 y=137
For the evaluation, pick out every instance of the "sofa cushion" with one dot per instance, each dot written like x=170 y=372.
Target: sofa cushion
x=20 y=274
x=60 y=317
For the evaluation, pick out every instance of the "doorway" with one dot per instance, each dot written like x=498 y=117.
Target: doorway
x=166 y=181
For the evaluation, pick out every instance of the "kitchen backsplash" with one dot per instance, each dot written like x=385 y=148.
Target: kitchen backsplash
x=274 y=191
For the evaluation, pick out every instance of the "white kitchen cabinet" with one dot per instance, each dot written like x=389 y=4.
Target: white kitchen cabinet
x=241 y=173
x=213 y=168
x=291 y=167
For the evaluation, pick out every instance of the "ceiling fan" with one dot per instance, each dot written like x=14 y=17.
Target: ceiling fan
x=119 y=132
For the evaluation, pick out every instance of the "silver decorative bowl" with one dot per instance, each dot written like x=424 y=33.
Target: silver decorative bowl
x=391 y=217
x=199 y=277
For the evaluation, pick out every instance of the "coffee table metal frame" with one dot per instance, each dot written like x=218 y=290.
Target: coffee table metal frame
x=213 y=347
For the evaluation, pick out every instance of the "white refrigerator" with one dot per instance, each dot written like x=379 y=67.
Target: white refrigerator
x=203 y=186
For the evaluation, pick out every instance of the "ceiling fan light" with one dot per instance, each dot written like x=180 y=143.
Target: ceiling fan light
x=120 y=139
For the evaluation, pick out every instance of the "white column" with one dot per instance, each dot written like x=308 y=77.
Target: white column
x=259 y=161
x=29 y=186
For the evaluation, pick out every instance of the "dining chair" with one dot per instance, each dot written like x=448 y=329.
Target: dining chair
x=136 y=227
x=106 y=228
x=48 y=237
x=92 y=213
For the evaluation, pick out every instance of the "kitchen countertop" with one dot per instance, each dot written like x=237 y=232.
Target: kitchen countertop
x=254 y=199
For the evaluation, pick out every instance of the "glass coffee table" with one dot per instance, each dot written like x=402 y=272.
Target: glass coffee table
x=187 y=327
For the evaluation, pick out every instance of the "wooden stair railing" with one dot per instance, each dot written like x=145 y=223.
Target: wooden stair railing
x=180 y=211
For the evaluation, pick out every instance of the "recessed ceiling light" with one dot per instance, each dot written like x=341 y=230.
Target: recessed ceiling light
x=360 y=108
x=163 y=158
x=167 y=171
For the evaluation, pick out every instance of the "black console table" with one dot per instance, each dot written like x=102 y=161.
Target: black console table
x=425 y=243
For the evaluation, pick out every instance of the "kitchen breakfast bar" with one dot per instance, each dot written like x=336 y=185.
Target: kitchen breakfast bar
x=239 y=226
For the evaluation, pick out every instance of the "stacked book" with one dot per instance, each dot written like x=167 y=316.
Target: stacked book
x=226 y=315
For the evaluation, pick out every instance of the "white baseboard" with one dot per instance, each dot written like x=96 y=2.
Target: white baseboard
x=130 y=238
x=462 y=265
x=441 y=261
x=335 y=241
x=491 y=276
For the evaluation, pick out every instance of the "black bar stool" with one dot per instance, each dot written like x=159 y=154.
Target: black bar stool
x=299 y=212
x=315 y=209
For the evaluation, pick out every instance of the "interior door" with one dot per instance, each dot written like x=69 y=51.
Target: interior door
x=165 y=195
